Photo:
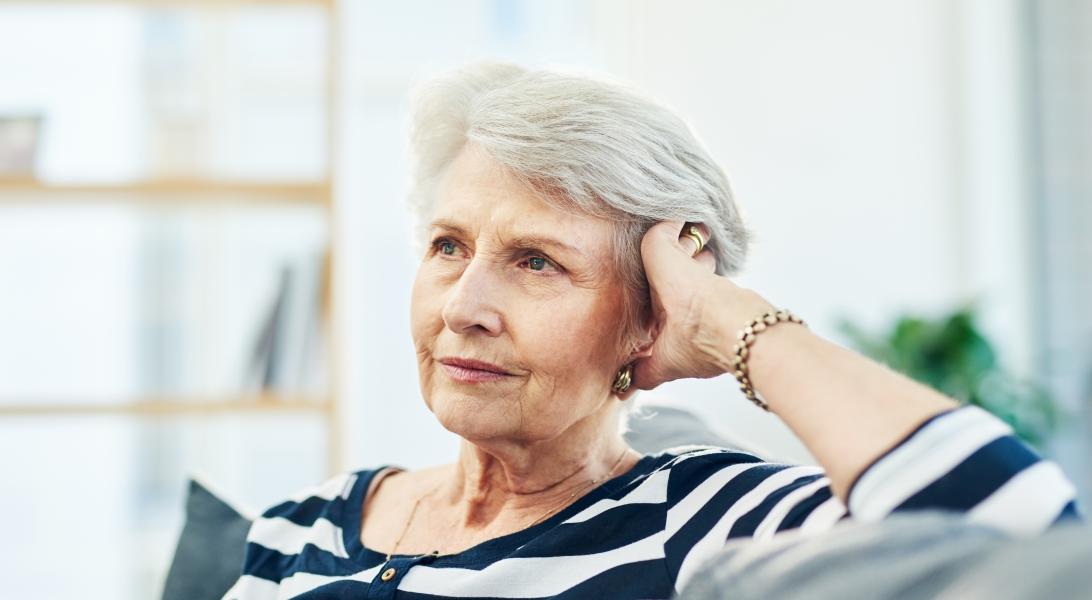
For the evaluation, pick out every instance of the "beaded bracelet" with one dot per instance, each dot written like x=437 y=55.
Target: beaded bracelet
x=742 y=349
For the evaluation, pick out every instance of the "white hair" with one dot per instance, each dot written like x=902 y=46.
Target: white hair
x=587 y=145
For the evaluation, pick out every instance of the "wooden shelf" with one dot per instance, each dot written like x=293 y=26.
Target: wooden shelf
x=179 y=4
x=14 y=190
x=207 y=193
x=170 y=406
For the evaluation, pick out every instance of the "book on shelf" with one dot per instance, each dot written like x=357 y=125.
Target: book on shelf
x=288 y=353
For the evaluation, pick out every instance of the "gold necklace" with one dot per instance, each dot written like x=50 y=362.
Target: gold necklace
x=556 y=507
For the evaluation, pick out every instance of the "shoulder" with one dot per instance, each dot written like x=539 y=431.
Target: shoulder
x=695 y=460
x=316 y=514
x=712 y=471
x=314 y=527
x=308 y=503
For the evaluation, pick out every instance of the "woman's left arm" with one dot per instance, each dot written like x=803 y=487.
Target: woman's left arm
x=848 y=410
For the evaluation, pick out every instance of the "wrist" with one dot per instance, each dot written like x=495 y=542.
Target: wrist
x=740 y=306
x=766 y=354
x=747 y=365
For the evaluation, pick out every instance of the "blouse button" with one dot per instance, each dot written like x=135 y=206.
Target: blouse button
x=388 y=574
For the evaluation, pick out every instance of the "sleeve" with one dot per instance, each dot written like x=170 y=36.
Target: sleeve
x=263 y=567
x=964 y=460
x=967 y=461
x=278 y=538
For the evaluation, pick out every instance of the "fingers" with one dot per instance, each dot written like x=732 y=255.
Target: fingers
x=665 y=231
x=695 y=236
x=660 y=249
x=667 y=242
x=691 y=245
x=707 y=260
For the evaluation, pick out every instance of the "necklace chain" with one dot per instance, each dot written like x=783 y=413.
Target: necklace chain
x=588 y=485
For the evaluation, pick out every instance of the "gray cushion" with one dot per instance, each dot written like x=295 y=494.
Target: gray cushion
x=1055 y=565
x=657 y=428
x=915 y=556
x=209 y=556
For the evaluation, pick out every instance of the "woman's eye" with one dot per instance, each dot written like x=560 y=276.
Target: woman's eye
x=445 y=247
x=538 y=263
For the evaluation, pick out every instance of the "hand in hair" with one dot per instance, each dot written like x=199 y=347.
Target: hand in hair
x=695 y=312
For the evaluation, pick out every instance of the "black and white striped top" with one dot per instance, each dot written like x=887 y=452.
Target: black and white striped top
x=644 y=534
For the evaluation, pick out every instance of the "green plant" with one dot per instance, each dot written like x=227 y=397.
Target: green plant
x=953 y=356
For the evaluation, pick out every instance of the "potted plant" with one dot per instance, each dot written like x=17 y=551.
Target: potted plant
x=951 y=354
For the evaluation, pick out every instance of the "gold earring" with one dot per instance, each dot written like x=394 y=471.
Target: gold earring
x=623 y=379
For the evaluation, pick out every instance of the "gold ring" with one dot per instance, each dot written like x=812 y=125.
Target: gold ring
x=694 y=233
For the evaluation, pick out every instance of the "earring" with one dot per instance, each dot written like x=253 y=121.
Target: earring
x=623 y=379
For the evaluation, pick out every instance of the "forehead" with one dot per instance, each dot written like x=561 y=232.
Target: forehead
x=484 y=197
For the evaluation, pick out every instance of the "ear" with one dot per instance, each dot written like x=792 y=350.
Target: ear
x=642 y=350
x=644 y=340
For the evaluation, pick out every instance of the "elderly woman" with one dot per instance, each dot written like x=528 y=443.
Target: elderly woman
x=578 y=240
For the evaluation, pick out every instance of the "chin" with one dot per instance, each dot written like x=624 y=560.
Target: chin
x=472 y=417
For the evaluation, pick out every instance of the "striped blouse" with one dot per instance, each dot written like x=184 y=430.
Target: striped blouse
x=644 y=534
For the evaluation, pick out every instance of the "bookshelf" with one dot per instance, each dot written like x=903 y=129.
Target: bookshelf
x=201 y=193
x=157 y=191
x=156 y=405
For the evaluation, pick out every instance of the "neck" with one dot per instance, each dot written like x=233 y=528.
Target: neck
x=498 y=482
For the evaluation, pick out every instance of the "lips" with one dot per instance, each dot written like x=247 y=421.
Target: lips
x=465 y=370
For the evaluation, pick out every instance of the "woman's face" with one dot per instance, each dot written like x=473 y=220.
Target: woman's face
x=524 y=287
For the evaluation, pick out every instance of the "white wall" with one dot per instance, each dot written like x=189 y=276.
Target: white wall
x=842 y=124
x=874 y=146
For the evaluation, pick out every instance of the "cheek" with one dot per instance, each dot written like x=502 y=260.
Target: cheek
x=417 y=306
x=573 y=341
x=425 y=309
x=425 y=325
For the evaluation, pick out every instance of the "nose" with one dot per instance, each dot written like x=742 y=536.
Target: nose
x=473 y=303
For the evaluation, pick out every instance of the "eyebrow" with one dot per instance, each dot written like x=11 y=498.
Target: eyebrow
x=526 y=241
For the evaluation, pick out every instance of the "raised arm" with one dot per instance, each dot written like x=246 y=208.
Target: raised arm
x=848 y=410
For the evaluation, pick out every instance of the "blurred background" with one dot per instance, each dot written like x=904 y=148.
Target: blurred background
x=205 y=259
